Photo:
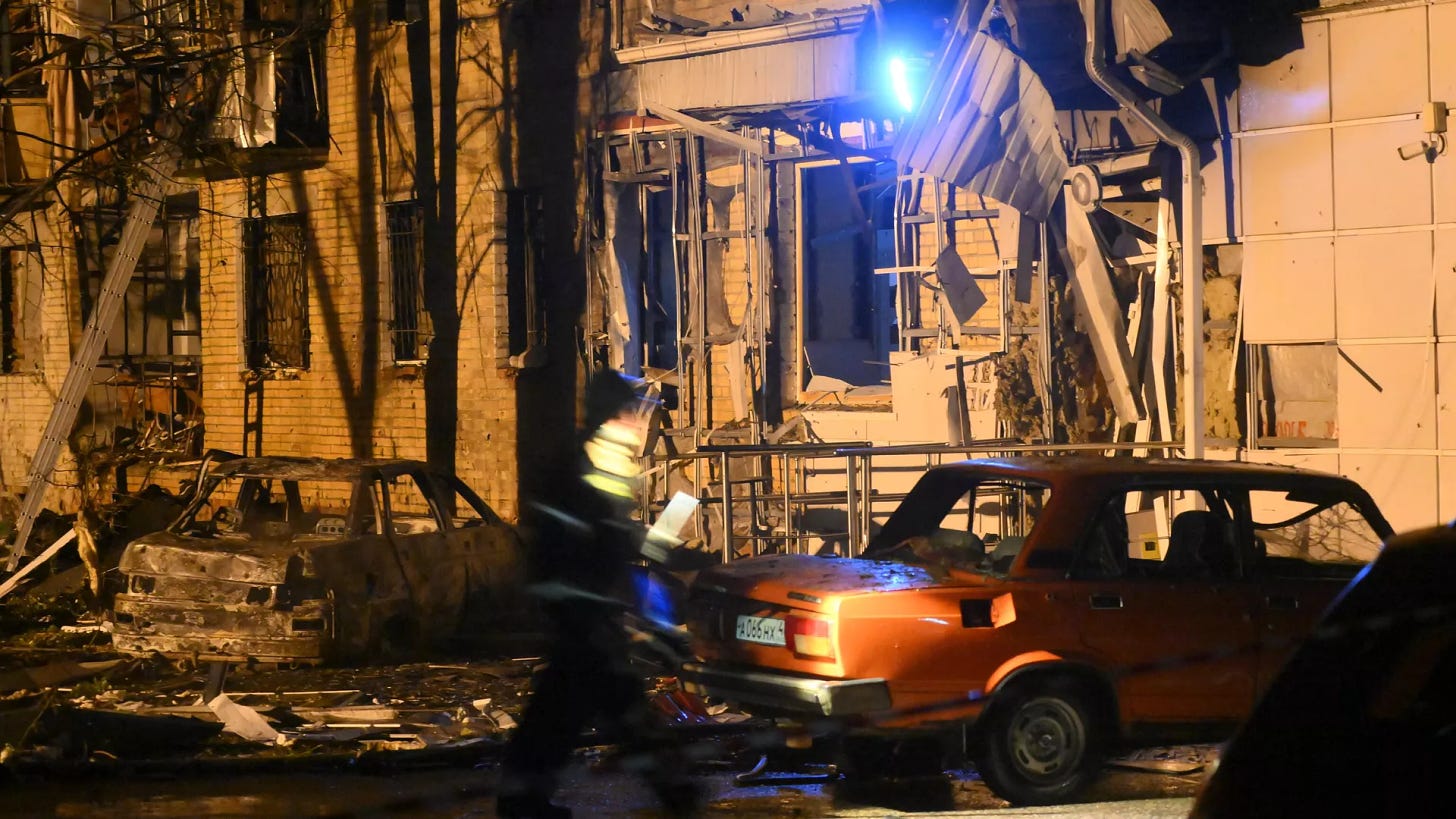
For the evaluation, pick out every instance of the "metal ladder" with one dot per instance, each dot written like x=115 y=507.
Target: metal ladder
x=156 y=182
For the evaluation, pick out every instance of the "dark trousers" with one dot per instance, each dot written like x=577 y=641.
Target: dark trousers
x=587 y=680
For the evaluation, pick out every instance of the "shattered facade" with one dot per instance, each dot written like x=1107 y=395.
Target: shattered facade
x=337 y=268
x=757 y=222
x=759 y=182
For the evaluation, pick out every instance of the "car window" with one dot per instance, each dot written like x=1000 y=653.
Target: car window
x=468 y=509
x=962 y=523
x=1296 y=534
x=411 y=512
x=262 y=507
x=1170 y=533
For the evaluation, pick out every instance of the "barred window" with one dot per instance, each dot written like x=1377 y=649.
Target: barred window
x=409 y=328
x=276 y=297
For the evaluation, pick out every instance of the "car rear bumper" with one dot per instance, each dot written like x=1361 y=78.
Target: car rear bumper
x=213 y=632
x=784 y=692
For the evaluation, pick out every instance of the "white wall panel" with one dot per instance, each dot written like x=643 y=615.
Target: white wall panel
x=1378 y=64
x=1287 y=184
x=1387 y=396
x=1446 y=396
x=1383 y=285
x=1293 y=90
x=1444 y=271
x=1404 y=486
x=1374 y=187
x=1302 y=458
x=1446 y=501
x=1289 y=292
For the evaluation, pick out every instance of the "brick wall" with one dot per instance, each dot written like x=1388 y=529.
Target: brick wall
x=27 y=393
x=318 y=411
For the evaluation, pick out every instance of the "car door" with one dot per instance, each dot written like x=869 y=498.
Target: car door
x=1308 y=548
x=1165 y=608
x=417 y=530
x=486 y=548
x=363 y=574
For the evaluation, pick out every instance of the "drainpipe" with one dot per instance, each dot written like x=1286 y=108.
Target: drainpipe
x=1095 y=15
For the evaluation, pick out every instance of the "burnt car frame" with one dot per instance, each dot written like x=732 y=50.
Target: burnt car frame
x=306 y=560
x=1045 y=608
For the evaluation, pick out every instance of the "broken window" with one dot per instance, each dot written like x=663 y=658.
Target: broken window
x=160 y=318
x=846 y=225
x=398 y=12
x=1296 y=390
x=1293 y=530
x=660 y=324
x=463 y=506
x=409 y=329
x=276 y=297
x=19 y=311
x=20 y=50
x=410 y=508
x=279 y=78
x=1173 y=533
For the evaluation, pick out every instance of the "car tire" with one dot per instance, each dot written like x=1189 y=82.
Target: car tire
x=1040 y=743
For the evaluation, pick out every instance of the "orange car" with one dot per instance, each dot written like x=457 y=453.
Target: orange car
x=1051 y=605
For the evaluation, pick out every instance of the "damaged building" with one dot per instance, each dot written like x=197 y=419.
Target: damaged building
x=291 y=250
x=814 y=225
x=937 y=228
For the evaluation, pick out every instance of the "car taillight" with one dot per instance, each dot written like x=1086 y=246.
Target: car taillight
x=809 y=636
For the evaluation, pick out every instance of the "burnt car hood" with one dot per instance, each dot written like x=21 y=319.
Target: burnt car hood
x=261 y=561
x=804 y=581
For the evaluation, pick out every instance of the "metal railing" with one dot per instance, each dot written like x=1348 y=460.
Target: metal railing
x=750 y=478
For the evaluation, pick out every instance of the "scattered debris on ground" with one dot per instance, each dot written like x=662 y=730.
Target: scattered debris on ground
x=67 y=699
x=1176 y=759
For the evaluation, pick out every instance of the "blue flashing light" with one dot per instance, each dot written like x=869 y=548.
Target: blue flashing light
x=900 y=83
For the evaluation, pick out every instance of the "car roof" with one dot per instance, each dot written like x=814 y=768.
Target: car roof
x=304 y=469
x=1055 y=467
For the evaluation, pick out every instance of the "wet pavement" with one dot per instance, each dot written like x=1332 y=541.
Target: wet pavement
x=465 y=791
x=88 y=733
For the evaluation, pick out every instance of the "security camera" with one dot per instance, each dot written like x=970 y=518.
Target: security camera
x=1411 y=150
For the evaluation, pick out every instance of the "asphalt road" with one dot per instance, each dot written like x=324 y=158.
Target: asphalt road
x=459 y=792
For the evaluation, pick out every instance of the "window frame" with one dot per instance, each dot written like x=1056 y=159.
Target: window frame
x=256 y=349
x=1261 y=399
x=867 y=299
x=409 y=345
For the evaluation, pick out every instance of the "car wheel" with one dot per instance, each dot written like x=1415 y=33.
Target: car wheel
x=1040 y=745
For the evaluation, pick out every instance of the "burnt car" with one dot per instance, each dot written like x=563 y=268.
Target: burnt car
x=1043 y=609
x=1361 y=721
x=307 y=560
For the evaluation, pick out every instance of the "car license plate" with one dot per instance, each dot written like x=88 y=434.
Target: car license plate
x=766 y=630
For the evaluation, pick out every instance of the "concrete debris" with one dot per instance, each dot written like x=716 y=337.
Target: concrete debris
x=503 y=721
x=242 y=720
x=54 y=674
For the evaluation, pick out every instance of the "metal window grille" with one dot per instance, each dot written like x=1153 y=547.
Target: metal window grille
x=410 y=328
x=277 y=293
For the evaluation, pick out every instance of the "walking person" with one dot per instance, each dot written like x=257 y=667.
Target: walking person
x=583 y=543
